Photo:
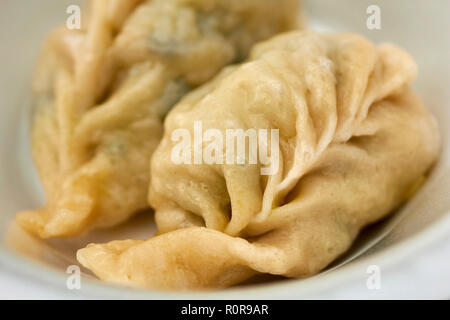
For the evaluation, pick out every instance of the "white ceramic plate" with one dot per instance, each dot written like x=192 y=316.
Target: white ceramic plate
x=422 y=27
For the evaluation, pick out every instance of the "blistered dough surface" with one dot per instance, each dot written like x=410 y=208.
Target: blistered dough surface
x=101 y=94
x=354 y=140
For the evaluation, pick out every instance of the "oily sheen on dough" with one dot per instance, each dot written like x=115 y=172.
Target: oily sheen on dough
x=354 y=141
x=102 y=92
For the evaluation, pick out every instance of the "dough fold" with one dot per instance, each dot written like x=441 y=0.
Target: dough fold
x=354 y=139
x=102 y=92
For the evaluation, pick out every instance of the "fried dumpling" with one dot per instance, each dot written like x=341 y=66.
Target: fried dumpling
x=354 y=140
x=102 y=92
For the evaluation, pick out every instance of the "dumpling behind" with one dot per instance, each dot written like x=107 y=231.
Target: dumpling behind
x=101 y=93
x=354 y=141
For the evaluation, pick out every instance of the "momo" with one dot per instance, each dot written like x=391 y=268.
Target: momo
x=213 y=147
